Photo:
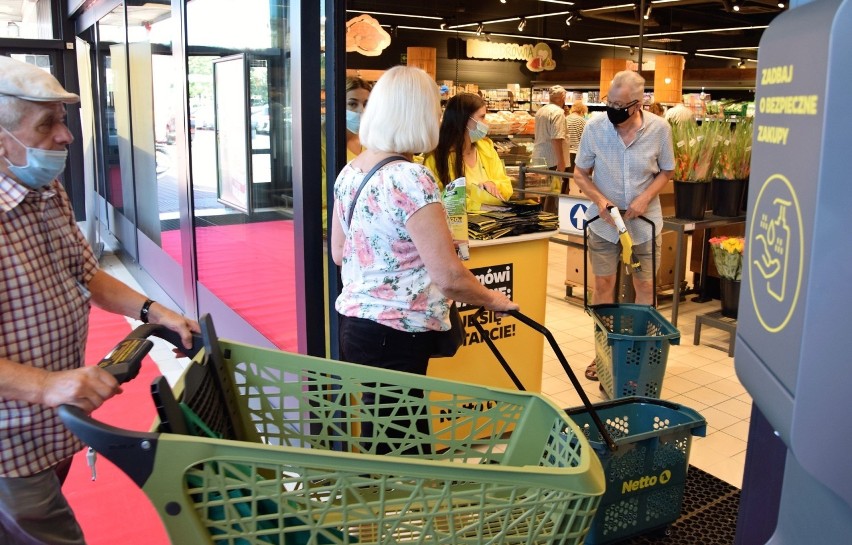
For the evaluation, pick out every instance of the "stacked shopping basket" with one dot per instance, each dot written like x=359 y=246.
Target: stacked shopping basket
x=643 y=442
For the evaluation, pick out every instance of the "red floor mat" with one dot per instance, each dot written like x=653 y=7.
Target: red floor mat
x=251 y=268
x=113 y=509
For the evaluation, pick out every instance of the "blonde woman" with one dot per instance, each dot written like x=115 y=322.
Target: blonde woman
x=399 y=268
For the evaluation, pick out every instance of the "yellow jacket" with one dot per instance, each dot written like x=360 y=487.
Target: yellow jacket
x=489 y=164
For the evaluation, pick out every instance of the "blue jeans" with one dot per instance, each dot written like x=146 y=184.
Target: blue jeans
x=369 y=343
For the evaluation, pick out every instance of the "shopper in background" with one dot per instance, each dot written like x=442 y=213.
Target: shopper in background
x=464 y=149
x=398 y=264
x=48 y=279
x=625 y=159
x=551 y=132
x=576 y=122
x=680 y=113
x=656 y=108
x=357 y=94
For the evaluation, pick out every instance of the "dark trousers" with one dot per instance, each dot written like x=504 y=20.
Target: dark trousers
x=33 y=510
x=369 y=343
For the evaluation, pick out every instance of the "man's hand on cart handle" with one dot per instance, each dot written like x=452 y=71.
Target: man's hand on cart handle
x=183 y=326
x=87 y=388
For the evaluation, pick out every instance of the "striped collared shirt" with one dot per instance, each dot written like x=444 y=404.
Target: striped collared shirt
x=45 y=267
x=623 y=172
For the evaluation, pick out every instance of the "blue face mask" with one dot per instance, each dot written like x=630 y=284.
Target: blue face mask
x=353 y=121
x=43 y=166
x=479 y=132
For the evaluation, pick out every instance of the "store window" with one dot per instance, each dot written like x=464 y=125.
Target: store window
x=241 y=162
x=28 y=19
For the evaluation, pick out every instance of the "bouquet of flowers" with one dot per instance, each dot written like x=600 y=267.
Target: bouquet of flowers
x=733 y=158
x=728 y=256
x=695 y=149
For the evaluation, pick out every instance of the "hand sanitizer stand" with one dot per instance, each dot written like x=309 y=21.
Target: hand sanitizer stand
x=793 y=335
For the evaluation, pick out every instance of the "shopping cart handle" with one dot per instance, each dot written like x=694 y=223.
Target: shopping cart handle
x=559 y=355
x=124 y=361
x=132 y=451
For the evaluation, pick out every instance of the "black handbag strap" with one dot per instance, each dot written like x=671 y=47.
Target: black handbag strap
x=369 y=175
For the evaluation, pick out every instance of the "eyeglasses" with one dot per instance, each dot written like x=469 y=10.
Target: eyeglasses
x=619 y=106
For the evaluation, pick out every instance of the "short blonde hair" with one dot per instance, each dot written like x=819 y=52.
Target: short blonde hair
x=579 y=108
x=631 y=81
x=403 y=112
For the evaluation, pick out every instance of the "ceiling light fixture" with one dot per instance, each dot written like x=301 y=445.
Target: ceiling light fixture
x=648 y=13
x=479 y=30
x=394 y=14
x=548 y=39
x=568 y=19
x=782 y=5
x=726 y=48
x=509 y=19
x=443 y=25
x=565 y=44
x=729 y=29
x=632 y=51
x=502 y=1
x=612 y=8
x=736 y=6
x=522 y=24
x=741 y=63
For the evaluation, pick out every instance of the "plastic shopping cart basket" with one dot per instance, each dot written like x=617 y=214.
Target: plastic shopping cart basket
x=643 y=444
x=631 y=341
x=533 y=480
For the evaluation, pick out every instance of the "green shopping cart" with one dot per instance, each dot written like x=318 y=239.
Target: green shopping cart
x=241 y=455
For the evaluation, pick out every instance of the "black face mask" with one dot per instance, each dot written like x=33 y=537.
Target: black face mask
x=617 y=116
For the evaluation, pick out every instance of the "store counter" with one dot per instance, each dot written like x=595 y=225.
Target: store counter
x=518 y=266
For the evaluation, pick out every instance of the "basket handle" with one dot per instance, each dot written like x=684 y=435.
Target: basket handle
x=560 y=356
x=586 y=261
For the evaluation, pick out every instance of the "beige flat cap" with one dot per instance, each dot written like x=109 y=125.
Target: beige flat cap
x=28 y=82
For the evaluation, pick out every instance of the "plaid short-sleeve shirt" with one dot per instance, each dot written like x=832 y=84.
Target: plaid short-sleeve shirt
x=623 y=172
x=45 y=268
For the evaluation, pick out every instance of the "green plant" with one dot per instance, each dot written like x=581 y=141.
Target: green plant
x=733 y=158
x=695 y=149
x=728 y=256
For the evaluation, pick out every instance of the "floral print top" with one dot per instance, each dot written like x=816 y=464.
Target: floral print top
x=384 y=278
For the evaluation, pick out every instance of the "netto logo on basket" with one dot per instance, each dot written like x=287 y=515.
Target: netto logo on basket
x=646 y=481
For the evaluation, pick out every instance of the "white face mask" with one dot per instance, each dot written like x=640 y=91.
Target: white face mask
x=479 y=132
x=43 y=166
x=353 y=121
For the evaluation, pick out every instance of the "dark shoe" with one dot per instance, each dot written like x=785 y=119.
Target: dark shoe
x=592 y=371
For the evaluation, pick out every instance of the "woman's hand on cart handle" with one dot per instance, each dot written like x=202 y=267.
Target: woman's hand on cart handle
x=500 y=303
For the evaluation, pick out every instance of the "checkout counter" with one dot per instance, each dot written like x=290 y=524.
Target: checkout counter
x=517 y=266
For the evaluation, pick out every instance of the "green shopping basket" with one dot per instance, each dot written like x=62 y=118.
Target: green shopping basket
x=643 y=444
x=533 y=479
x=631 y=341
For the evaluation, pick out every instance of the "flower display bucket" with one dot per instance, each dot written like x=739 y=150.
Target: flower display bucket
x=729 y=291
x=727 y=197
x=690 y=199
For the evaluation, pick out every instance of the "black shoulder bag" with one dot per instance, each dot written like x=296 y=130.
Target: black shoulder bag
x=448 y=342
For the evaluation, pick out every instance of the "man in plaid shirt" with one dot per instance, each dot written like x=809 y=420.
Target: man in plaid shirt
x=48 y=279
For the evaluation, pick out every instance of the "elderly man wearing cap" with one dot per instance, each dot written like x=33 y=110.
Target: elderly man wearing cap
x=552 y=140
x=48 y=278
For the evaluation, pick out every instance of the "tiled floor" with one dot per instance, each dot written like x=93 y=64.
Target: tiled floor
x=700 y=377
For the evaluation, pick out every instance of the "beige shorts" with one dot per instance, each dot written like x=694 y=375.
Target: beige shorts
x=606 y=256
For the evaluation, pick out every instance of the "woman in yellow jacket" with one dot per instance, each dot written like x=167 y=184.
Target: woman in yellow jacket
x=357 y=94
x=464 y=150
